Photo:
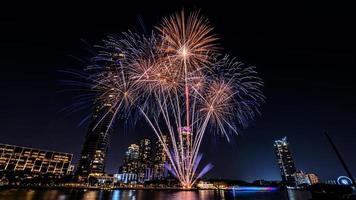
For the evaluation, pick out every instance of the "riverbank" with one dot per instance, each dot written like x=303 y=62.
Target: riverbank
x=99 y=188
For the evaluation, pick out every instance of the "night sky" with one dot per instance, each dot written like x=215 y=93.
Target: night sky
x=303 y=52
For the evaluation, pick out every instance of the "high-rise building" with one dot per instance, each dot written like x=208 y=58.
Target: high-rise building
x=185 y=145
x=132 y=153
x=31 y=160
x=131 y=159
x=160 y=160
x=285 y=161
x=145 y=161
x=96 y=144
x=97 y=141
x=129 y=169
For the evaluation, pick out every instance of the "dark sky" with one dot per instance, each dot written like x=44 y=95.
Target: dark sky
x=303 y=52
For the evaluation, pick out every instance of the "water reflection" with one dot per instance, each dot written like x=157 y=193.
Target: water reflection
x=28 y=194
x=90 y=195
x=298 y=195
x=116 y=194
x=204 y=194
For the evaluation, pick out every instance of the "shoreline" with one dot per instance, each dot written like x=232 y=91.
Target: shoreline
x=99 y=188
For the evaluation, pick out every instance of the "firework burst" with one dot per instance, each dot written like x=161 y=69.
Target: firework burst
x=187 y=39
x=178 y=81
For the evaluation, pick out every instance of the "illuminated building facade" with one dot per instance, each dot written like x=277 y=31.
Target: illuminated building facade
x=160 y=160
x=285 y=161
x=129 y=170
x=97 y=141
x=145 y=161
x=206 y=185
x=301 y=178
x=126 y=177
x=32 y=161
x=131 y=159
x=185 y=146
x=313 y=178
x=95 y=148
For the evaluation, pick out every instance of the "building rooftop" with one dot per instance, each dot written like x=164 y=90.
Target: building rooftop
x=36 y=148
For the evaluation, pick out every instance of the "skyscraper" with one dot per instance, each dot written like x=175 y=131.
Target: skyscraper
x=285 y=161
x=160 y=160
x=185 y=146
x=128 y=171
x=97 y=141
x=145 y=160
x=131 y=159
x=95 y=147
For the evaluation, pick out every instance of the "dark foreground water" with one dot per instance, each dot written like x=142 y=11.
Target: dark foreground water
x=30 y=194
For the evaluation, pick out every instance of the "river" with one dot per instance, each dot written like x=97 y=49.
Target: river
x=38 y=194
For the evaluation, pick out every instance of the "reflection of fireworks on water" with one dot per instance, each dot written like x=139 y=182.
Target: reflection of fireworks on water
x=177 y=80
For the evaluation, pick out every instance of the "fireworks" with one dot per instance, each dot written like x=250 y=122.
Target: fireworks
x=187 y=39
x=180 y=83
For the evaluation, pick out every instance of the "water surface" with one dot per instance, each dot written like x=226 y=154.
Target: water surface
x=37 y=194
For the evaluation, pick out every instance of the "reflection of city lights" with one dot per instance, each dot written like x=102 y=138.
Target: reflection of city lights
x=238 y=188
x=189 y=195
x=90 y=195
x=116 y=195
x=29 y=194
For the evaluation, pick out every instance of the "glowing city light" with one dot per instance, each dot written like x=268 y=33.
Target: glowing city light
x=344 y=180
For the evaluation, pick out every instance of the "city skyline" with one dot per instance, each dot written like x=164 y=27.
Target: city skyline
x=297 y=68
